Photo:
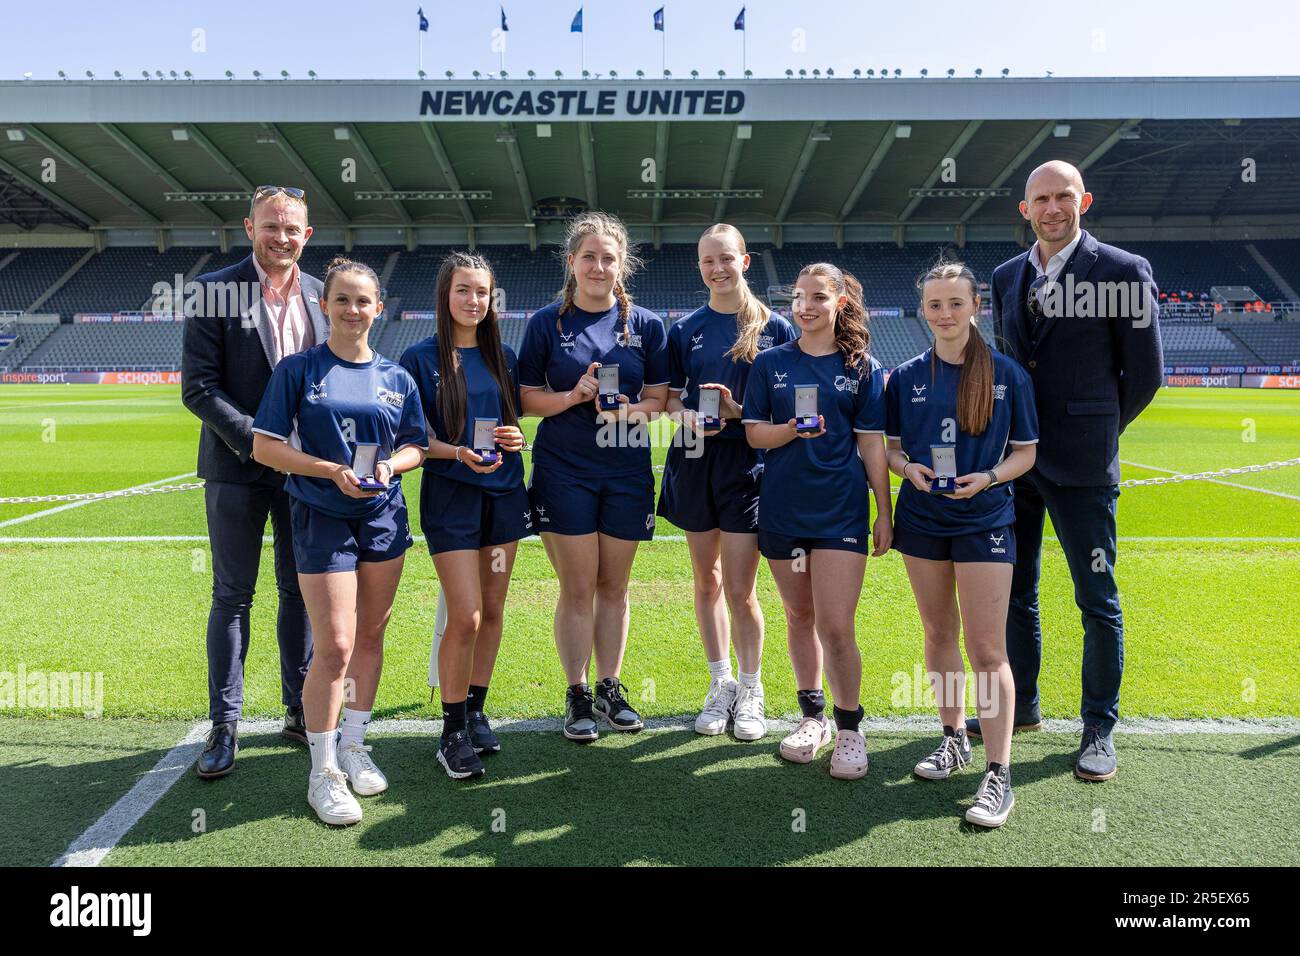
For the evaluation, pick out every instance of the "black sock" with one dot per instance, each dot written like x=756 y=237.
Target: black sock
x=848 y=719
x=812 y=702
x=453 y=717
x=476 y=699
x=948 y=731
x=1002 y=770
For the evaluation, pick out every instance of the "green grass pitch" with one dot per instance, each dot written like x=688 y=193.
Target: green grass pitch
x=1207 y=574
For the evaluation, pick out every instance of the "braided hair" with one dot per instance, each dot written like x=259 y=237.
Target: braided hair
x=596 y=223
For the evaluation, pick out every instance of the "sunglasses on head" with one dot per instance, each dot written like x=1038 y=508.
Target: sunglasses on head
x=293 y=191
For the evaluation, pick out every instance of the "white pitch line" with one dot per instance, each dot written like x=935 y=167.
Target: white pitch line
x=98 y=840
x=667 y=538
x=100 y=837
x=1214 y=481
x=77 y=504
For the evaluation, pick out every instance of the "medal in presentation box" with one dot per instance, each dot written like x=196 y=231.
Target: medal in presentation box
x=607 y=376
x=364 y=460
x=485 y=440
x=710 y=412
x=805 y=409
x=943 y=462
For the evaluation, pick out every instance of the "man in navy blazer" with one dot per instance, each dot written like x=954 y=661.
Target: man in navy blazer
x=1081 y=317
x=250 y=316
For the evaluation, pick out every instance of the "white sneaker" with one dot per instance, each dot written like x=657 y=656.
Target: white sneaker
x=750 y=722
x=718 y=704
x=328 y=794
x=365 y=778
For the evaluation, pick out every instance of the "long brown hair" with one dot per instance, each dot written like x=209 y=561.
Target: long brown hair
x=595 y=223
x=753 y=316
x=452 y=394
x=852 y=337
x=975 y=386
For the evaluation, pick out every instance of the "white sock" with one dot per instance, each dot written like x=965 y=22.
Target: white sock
x=353 y=728
x=720 y=670
x=751 y=680
x=323 y=749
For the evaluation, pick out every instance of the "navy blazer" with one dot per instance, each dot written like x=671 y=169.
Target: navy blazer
x=227 y=355
x=1093 y=373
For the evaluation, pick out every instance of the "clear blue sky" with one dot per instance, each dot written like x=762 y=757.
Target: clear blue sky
x=379 y=38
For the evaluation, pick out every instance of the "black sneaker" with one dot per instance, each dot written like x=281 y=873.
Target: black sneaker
x=457 y=756
x=951 y=755
x=993 y=800
x=613 y=708
x=1029 y=720
x=579 y=723
x=480 y=733
x=295 y=725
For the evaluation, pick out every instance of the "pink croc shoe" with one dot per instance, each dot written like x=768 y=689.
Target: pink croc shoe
x=810 y=736
x=849 y=759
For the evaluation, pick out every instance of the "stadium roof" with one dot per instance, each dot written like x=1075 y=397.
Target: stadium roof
x=183 y=155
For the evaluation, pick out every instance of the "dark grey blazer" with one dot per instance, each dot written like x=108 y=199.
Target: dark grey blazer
x=227 y=355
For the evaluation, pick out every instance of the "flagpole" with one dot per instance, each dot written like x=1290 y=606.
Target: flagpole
x=421 y=32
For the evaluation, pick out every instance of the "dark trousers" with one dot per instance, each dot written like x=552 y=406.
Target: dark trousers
x=1084 y=521
x=237 y=516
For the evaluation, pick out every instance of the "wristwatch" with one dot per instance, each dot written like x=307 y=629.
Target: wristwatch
x=993 y=477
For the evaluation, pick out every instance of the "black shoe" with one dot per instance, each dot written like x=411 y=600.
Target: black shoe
x=993 y=800
x=1096 y=755
x=457 y=756
x=1026 y=720
x=613 y=708
x=480 y=733
x=218 y=757
x=951 y=755
x=295 y=725
x=579 y=723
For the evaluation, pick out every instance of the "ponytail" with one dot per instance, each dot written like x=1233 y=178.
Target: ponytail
x=975 y=384
x=852 y=337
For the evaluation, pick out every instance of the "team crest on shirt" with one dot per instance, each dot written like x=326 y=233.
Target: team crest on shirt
x=999 y=392
x=635 y=342
x=780 y=379
x=845 y=384
x=390 y=397
x=315 y=391
x=919 y=395
x=566 y=340
x=697 y=341
x=764 y=342
x=997 y=540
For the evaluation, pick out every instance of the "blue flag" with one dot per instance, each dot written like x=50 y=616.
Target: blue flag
x=740 y=20
x=659 y=19
x=424 y=21
x=576 y=25
x=504 y=28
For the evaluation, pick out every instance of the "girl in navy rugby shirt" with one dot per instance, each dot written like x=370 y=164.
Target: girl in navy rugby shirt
x=813 y=515
x=472 y=513
x=711 y=485
x=349 y=543
x=592 y=489
x=961 y=400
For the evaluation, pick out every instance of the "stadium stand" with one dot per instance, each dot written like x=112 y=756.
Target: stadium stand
x=1276 y=343
x=104 y=346
x=30 y=273
x=28 y=337
x=121 y=279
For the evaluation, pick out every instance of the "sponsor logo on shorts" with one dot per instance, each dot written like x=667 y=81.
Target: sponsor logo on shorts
x=999 y=393
x=541 y=515
x=919 y=395
x=649 y=521
x=997 y=540
x=845 y=384
x=390 y=397
x=849 y=540
x=528 y=519
x=780 y=379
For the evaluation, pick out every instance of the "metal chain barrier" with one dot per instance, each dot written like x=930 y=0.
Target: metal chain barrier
x=1206 y=475
x=192 y=485
x=101 y=495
